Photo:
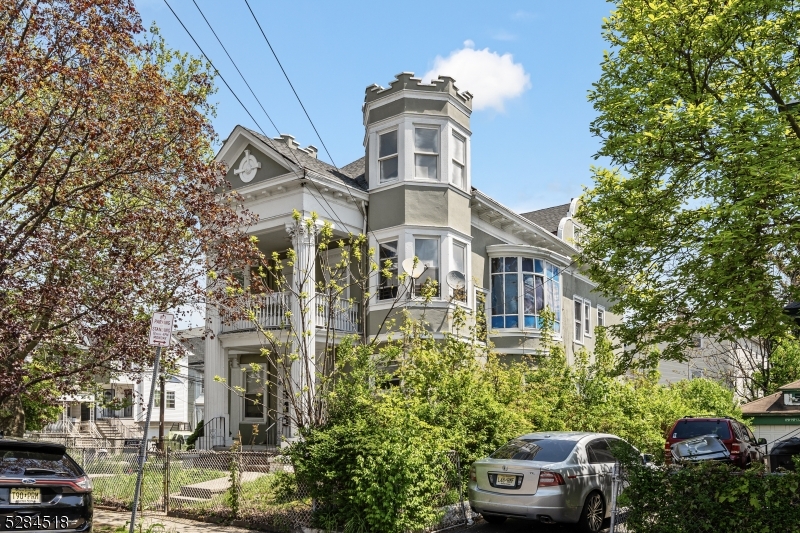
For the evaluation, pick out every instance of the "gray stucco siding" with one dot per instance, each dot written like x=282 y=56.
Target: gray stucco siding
x=480 y=240
x=269 y=169
x=422 y=106
x=386 y=208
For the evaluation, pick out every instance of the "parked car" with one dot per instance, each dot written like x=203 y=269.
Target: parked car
x=705 y=448
x=550 y=477
x=42 y=488
x=782 y=454
x=743 y=446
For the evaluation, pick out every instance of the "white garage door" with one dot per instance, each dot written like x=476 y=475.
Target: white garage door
x=773 y=433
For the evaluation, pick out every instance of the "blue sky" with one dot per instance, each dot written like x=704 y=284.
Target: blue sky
x=530 y=63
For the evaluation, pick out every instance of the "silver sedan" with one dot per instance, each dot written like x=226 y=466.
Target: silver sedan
x=550 y=477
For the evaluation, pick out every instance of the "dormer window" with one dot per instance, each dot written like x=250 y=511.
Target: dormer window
x=426 y=153
x=387 y=155
x=459 y=161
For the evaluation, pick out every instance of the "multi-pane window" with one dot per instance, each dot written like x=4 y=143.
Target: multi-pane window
x=460 y=265
x=587 y=318
x=427 y=251
x=540 y=288
x=426 y=153
x=387 y=259
x=387 y=155
x=601 y=316
x=578 y=320
x=459 y=161
x=253 y=394
x=170 y=399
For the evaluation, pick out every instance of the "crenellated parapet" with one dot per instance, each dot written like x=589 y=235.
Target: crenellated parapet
x=405 y=81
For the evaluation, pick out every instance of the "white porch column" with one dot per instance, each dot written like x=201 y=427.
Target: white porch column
x=236 y=401
x=303 y=370
x=216 y=364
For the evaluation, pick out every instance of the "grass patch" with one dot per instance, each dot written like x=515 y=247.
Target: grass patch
x=117 y=489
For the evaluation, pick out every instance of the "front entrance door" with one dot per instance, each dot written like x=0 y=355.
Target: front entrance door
x=128 y=410
x=85 y=412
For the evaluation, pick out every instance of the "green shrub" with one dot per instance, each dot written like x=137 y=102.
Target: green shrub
x=710 y=497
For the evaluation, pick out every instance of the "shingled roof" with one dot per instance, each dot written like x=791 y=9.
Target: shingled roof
x=351 y=174
x=770 y=405
x=548 y=218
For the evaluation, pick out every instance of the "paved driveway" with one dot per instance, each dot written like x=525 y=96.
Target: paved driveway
x=517 y=526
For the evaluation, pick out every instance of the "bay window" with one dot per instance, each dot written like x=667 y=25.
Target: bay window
x=459 y=161
x=387 y=155
x=460 y=265
x=387 y=263
x=426 y=251
x=426 y=153
x=533 y=282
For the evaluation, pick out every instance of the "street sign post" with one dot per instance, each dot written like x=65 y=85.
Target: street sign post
x=160 y=337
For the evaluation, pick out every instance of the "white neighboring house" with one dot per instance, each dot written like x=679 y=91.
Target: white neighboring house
x=118 y=410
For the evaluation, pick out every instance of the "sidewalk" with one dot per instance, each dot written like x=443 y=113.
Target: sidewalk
x=114 y=519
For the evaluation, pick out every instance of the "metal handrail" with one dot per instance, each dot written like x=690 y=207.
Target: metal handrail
x=213 y=434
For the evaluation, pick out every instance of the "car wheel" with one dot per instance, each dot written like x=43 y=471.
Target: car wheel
x=494 y=519
x=593 y=514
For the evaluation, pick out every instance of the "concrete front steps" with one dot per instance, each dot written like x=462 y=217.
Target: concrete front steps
x=205 y=491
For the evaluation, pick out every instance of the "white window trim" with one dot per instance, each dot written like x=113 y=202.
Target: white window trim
x=380 y=159
x=174 y=399
x=451 y=266
x=600 y=309
x=576 y=299
x=380 y=267
x=520 y=292
x=587 y=317
x=441 y=241
x=264 y=393
x=438 y=153
x=454 y=161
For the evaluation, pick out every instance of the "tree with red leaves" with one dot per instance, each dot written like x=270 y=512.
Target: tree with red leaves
x=110 y=203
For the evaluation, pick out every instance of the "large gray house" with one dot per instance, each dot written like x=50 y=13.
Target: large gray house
x=412 y=195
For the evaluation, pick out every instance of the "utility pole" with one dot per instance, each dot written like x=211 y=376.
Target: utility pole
x=161 y=406
x=160 y=336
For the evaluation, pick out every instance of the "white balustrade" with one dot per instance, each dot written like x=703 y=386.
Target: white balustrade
x=270 y=312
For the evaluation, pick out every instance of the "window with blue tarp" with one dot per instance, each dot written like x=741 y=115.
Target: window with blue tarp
x=521 y=288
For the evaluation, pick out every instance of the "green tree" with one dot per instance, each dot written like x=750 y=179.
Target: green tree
x=108 y=194
x=693 y=229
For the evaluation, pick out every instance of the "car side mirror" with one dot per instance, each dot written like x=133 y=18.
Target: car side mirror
x=647 y=458
x=762 y=442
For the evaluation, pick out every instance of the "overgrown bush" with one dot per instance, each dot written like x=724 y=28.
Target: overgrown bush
x=710 y=497
x=379 y=461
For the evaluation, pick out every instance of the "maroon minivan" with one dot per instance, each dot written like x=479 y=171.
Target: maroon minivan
x=737 y=437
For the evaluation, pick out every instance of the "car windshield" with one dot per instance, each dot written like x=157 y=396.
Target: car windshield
x=22 y=462
x=686 y=429
x=548 y=450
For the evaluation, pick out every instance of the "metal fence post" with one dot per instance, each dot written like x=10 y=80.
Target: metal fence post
x=143 y=449
x=614 y=488
x=166 y=479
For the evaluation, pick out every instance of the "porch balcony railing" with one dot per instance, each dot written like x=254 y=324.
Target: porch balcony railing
x=270 y=312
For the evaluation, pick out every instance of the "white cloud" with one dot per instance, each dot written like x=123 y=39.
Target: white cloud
x=490 y=77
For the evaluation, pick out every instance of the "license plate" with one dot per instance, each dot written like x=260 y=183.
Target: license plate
x=26 y=495
x=506 y=480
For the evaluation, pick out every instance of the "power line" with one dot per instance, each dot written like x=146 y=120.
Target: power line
x=300 y=101
x=266 y=137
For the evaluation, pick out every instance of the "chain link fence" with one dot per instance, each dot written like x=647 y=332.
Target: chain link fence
x=619 y=513
x=256 y=489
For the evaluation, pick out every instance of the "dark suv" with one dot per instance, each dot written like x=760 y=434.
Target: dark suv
x=42 y=489
x=737 y=437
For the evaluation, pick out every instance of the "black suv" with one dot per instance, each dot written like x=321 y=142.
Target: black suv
x=42 y=489
x=740 y=441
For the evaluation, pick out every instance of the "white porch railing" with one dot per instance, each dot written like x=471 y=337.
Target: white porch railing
x=271 y=309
